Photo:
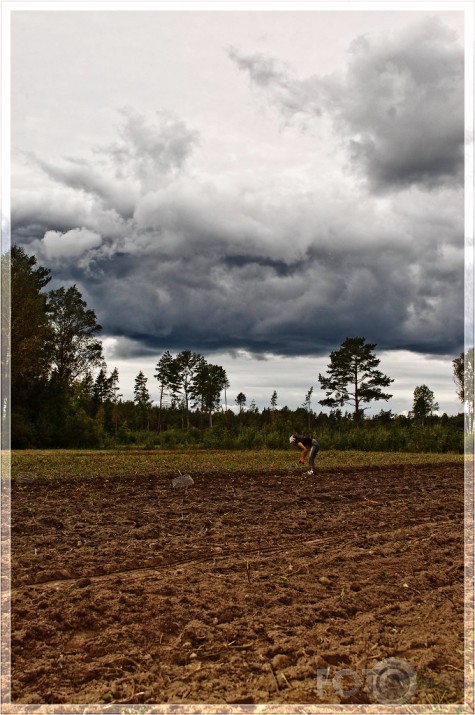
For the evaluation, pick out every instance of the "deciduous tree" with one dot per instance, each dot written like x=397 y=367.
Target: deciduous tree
x=458 y=370
x=463 y=377
x=74 y=346
x=208 y=383
x=424 y=404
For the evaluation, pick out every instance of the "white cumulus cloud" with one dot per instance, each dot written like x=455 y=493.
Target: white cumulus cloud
x=57 y=246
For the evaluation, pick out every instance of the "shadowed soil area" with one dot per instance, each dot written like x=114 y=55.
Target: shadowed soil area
x=262 y=588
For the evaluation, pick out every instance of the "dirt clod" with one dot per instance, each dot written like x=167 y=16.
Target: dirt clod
x=248 y=590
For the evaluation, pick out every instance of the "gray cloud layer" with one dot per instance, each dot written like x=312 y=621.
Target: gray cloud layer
x=399 y=106
x=175 y=258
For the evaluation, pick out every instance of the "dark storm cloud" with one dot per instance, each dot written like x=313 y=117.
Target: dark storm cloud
x=281 y=268
x=399 y=106
x=211 y=302
x=206 y=292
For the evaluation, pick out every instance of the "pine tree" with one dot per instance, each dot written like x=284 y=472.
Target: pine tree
x=115 y=397
x=168 y=380
x=101 y=390
x=26 y=360
x=142 y=398
x=353 y=377
x=307 y=405
x=186 y=364
x=29 y=323
x=240 y=402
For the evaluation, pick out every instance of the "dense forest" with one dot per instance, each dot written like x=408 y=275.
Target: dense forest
x=63 y=395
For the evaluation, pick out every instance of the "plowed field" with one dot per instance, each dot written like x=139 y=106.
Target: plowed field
x=255 y=588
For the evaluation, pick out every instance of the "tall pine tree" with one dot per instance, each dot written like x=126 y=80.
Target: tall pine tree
x=353 y=377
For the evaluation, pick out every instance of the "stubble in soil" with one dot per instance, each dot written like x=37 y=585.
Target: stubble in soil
x=242 y=589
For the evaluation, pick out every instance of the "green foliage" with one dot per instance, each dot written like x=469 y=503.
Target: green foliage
x=209 y=381
x=27 y=362
x=190 y=378
x=125 y=435
x=74 y=347
x=80 y=431
x=424 y=404
x=23 y=428
x=29 y=322
x=353 y=377
x=59 y=402
x=401 y=435
x=53 y=345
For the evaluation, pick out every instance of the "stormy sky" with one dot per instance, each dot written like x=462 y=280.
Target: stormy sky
x=252 y=185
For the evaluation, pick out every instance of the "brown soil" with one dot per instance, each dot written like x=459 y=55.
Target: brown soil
x=251 y=589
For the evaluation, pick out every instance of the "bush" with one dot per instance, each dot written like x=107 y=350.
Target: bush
x=125 y=435
x=80 y=431
x=22 y=430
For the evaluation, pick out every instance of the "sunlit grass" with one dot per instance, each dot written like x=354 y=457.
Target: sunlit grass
x=88 y=464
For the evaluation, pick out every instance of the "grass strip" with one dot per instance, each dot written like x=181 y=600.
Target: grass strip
x=91 y=464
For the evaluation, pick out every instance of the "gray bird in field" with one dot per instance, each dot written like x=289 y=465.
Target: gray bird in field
x=182 y=482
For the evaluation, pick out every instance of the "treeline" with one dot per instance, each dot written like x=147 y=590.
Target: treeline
x=64 y=396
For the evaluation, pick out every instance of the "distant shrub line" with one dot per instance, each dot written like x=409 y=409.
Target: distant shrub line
x=110 y=425
x=444 y=434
